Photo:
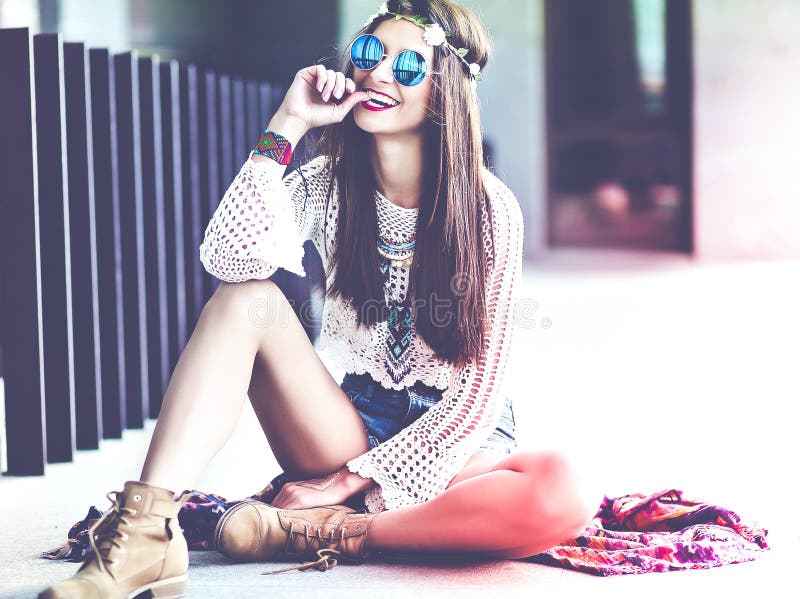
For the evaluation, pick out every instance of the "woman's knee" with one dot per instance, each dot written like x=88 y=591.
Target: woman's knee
x=562 y=491
x=236 y=292
x=260 y=301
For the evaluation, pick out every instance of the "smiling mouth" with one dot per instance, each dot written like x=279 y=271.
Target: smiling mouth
x=378 y=101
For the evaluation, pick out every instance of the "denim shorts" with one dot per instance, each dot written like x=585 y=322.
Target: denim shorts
x=385 y=412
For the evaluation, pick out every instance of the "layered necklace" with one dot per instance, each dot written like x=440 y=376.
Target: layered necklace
x=399 y=254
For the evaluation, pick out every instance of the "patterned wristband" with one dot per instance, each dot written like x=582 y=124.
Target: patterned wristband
x=274 y=145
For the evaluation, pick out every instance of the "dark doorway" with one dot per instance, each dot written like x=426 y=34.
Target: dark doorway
x=618 y=80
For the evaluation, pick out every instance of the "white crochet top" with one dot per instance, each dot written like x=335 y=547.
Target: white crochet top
x=261 y=224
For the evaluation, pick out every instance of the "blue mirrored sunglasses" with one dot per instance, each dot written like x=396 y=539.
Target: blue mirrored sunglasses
x=409 y=66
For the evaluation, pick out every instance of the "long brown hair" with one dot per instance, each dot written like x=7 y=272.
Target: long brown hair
x=450 y=258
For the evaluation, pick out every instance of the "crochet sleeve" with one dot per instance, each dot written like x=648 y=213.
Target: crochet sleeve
x=263 y=220
x=419 y=462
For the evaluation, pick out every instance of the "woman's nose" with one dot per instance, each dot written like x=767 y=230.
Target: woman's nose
x=383 y=72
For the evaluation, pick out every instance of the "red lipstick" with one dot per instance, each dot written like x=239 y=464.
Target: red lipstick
x=376 y=108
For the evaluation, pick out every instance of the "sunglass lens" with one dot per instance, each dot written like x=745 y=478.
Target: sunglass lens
x=409 y=67
x=366 y=52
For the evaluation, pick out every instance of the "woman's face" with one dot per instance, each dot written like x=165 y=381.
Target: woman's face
x=410 y=114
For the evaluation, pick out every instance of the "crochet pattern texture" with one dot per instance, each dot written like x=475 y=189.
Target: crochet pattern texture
x=261 y=224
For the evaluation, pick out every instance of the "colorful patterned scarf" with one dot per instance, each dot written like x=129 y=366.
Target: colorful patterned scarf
x=638 y=533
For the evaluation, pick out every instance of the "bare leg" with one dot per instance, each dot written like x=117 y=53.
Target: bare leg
x=524 y=504
x=248 y=339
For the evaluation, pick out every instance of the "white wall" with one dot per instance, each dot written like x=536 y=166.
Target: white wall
x=747 y=128
x=20 y=13
x=105 y=24
x=511 y=97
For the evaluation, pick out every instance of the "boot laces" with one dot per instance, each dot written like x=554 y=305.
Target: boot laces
x=325 y=562
x=325 y=553
x=108 y=530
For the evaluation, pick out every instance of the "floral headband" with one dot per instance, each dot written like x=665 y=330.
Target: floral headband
x=433 y=35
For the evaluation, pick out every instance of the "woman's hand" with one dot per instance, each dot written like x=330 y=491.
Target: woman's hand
x=314 y=97
x=332 y=489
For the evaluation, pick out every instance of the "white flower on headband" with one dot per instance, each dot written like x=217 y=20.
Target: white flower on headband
x=474 y=68
x=382 y=10
x=434 y=35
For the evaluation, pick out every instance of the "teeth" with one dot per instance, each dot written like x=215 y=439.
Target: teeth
x=382 y=98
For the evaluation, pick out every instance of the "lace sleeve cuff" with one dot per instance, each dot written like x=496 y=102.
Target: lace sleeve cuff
x=253 y=231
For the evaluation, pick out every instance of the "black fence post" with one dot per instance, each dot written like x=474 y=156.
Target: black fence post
x=126 y=79
x=193 y=219
x=109 y=249
x=54 y=235
x=173 y=207
x=239 y=118
x=155 y=264
x=83 y=248
x=253 y=120
x=225 y=125
x=211 y=160
x=20 y=275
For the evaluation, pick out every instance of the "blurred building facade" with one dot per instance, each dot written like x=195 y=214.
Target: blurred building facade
x=645 y=124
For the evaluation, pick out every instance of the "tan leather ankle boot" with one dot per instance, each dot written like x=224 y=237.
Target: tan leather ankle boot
x=252 y=531
x=138 y=546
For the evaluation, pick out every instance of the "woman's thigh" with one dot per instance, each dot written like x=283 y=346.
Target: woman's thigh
x=480 y=463
x=310 y=423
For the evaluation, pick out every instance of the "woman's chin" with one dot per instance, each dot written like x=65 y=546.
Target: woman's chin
x=379 y=124
x=364 y=122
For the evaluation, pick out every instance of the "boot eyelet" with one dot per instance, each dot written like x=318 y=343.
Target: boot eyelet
x=137 y=497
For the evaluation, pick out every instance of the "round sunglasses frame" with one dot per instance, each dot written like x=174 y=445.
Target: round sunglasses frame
x=427 y=72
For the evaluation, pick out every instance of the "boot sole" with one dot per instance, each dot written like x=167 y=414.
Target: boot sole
x=169 y=588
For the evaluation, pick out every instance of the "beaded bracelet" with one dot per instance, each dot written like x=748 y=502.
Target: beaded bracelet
x=275 y=146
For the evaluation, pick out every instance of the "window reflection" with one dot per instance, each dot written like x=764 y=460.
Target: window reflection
x=649 y=17
x=618 y=112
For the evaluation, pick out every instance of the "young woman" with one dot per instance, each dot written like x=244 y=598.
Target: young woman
x=423 y=253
